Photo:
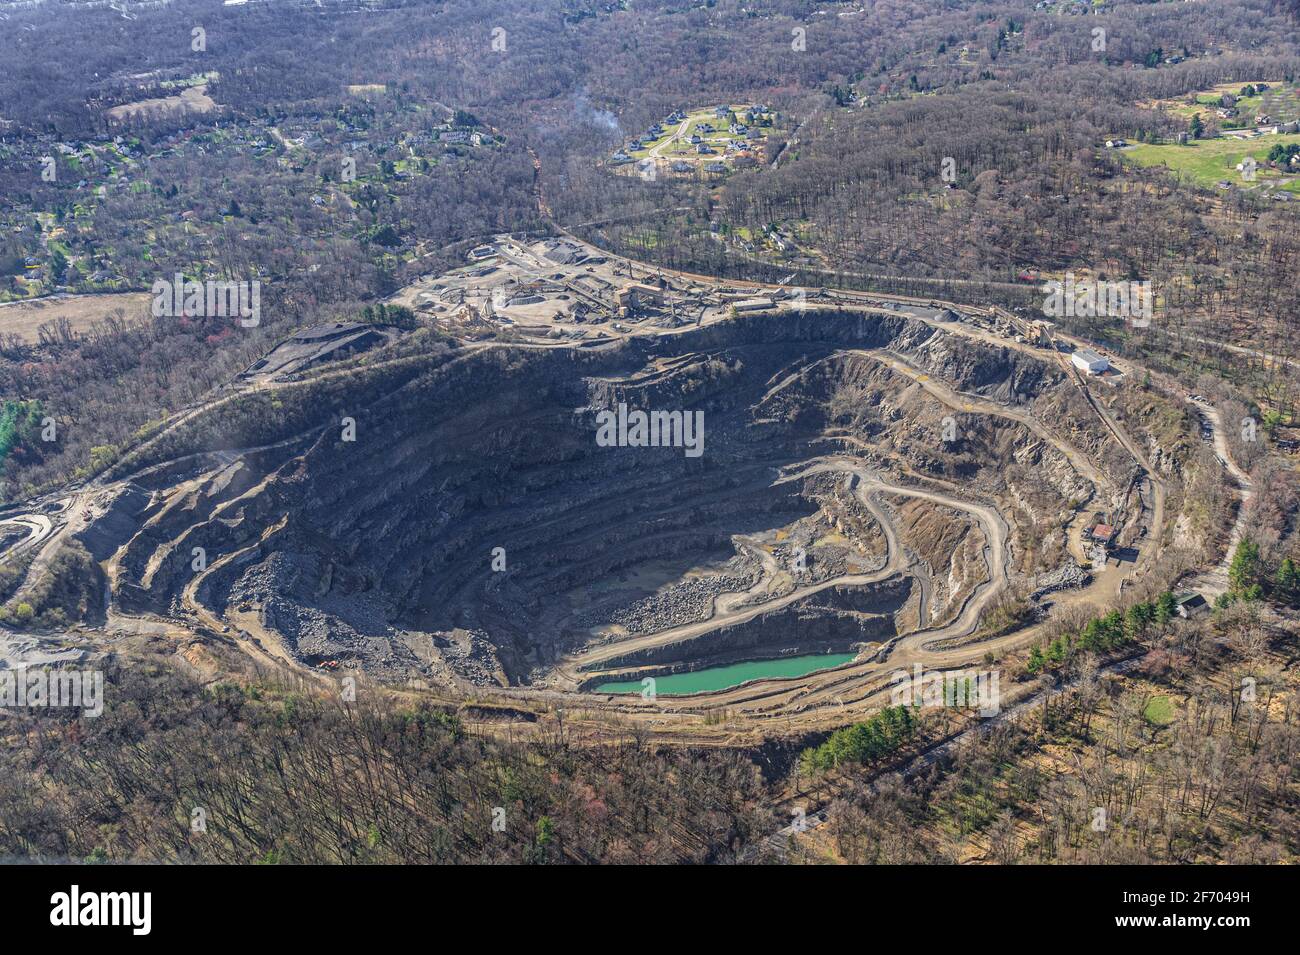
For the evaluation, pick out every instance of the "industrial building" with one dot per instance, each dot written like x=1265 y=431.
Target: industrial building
x=1087 y=360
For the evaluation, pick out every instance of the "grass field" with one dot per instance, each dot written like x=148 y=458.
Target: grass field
x=192 y=98
x=1159 y=712
x=1207 y=161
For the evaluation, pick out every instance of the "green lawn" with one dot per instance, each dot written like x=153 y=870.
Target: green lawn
x=1159 y=712
x=195 y=79
x=1206 y=161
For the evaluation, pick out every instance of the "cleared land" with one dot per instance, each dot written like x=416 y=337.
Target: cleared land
x=1279 y=101
x=192 y=99
x=903 y=561
x=25 y=319
x=1206 y=162
x=714 y=134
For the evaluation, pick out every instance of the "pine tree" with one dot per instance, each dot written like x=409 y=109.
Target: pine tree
x=1244 y=571
x=1288 y=581
x=1166 y=607
x=1135 y=623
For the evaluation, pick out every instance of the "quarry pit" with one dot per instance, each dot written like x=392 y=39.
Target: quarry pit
x=876 y=475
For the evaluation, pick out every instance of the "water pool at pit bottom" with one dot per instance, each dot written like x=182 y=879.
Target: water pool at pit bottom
x=724 y=678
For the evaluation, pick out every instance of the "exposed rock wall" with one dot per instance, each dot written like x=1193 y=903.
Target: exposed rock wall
x=495 y=449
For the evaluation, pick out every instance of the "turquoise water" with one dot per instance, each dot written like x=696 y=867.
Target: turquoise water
x=722 y=678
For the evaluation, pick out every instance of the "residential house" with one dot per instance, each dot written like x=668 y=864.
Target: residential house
x=1190 y=605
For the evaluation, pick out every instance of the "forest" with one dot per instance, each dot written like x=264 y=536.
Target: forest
x=263 y=772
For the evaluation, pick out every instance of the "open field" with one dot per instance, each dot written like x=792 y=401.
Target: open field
x=25 y=319
x=190 y=99
x=1206 y=162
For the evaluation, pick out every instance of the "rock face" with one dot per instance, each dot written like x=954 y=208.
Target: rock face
x=118 y=523
x=837 y=620
x=475 y=528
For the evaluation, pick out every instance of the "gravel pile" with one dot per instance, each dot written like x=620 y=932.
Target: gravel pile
x=687 y=602
x=332 y=626
x=472 y=656
x=1068 y=576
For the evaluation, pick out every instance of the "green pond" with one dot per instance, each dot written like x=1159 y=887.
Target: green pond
x=722 y=678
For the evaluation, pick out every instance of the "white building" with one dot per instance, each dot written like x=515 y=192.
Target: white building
x=1087 y=360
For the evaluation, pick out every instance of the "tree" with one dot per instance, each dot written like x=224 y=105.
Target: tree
x=1244 y=571
x=386 y=235
x=1166 y=607
x=1197 y=127
x=58 y=267
x=1137 y=619
x=1288 y=581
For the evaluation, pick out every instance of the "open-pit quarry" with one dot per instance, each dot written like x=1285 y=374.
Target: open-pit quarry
x=872 y=477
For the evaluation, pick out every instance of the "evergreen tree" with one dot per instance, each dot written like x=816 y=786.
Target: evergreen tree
x=1166 y=607
x=1288 y=581
x=1135 y=621
x=1244 y=571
